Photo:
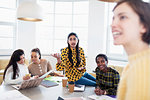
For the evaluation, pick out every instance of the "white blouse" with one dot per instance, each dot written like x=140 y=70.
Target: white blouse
x=23 y=70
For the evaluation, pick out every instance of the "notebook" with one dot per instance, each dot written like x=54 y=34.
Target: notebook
x=28 y=84
x=48 y=83
x=79 y=88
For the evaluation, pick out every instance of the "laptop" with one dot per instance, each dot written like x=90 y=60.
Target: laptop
x=28 y=84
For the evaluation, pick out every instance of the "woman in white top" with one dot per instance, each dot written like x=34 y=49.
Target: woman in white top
x=16 y=70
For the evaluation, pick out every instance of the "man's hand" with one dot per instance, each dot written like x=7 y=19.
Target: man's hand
x=98 y=91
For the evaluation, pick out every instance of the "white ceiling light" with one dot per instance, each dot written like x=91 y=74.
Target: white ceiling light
x=29 y=10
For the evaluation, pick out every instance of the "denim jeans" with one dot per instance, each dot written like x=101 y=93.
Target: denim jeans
x=87 y=79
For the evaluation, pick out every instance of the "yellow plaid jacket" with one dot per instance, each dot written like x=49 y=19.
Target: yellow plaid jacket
x=72 y=72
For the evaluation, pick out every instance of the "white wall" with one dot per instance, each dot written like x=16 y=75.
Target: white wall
x=26 y=36
x=96 y=36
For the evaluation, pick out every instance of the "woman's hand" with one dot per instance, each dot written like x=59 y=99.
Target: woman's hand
x=80 y=68
x=61 y=75
x=57 y=56
x=36 y=76
x=26 y=77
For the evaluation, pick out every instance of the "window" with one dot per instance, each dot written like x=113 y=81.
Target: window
x=146 y=0
x=115 y=52
x=60 y=18
x=7 y=26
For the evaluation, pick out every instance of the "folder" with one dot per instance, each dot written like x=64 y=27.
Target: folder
x=48 y=83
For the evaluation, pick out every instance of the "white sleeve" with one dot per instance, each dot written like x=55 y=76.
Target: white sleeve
x=9 y=75
x=26 y=70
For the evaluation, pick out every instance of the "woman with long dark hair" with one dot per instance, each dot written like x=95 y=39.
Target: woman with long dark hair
x=16 y=71
x=73 y=62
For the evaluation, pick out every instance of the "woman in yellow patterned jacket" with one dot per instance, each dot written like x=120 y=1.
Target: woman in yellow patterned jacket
x=73 y=62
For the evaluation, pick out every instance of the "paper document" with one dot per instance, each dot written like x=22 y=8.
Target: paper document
x=101 y=97
x=79 y=88
x=43 y=76
x=13 y=95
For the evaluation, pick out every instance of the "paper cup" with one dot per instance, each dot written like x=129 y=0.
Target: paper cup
x=71 y=87
x=64 y=82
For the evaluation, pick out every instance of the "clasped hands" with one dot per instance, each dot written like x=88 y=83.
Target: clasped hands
x=98 y=91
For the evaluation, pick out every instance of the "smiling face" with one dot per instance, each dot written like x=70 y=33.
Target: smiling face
x=72 y=41
x=126 y=26
x=22 y=59
x=101 y=63
x=35 y=57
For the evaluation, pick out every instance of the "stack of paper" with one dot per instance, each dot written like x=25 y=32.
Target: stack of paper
x=101 y=97
x=13 y=95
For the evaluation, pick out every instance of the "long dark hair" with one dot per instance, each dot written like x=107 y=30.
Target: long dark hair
x=142 y=10
x=37 y=50
x=77 y=50
x=13 y=62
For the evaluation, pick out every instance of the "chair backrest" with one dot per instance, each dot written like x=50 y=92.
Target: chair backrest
x=4 y=63
x=117 y=68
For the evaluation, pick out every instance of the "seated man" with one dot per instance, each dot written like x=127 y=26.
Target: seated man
x=107 y=79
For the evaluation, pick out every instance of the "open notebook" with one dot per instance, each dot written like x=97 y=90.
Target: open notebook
x=28 y=84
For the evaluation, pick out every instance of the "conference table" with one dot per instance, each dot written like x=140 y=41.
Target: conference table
x=50 y=93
